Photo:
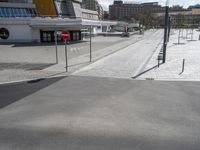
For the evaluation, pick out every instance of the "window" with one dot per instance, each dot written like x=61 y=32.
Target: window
x=1 y=13
x=4 y=12
x=17 y=12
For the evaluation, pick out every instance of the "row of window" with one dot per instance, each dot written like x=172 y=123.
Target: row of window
x=17 y=12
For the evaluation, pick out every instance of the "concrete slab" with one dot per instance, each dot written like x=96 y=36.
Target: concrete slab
x=85 y=113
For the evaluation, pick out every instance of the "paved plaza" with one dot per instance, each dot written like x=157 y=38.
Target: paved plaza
x=88 y=113
x=128 y=61
x=98 y=105
x=30 y=61
x=188 y=49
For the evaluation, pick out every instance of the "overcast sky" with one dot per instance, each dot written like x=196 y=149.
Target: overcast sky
x=185 y=3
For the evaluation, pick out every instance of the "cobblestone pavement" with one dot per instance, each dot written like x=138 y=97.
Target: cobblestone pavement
x=127 y=62
x=172 y=70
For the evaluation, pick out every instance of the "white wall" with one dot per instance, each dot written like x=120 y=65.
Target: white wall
x=99 y=29
x=35 y=35
x=20 y=33
x=94 y=30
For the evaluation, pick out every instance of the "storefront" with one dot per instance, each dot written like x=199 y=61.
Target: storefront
x=49 y=36
x=39 y=29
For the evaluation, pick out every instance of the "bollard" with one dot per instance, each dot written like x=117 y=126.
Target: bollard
x=183 y=65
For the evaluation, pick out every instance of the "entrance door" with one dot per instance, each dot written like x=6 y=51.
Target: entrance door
x=47 y=36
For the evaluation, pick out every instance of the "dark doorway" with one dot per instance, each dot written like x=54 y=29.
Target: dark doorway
x=47 y=36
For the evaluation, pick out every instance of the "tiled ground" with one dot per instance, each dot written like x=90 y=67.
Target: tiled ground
x=172 y=69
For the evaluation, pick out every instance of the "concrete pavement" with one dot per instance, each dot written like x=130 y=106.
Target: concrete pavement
x=88 y=113
x=18 y=62
x=128 y=61
x=172 y=70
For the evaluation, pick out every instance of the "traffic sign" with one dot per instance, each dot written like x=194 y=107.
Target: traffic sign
x=65 y=35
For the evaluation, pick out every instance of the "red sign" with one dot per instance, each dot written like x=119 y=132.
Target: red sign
x=65 y=35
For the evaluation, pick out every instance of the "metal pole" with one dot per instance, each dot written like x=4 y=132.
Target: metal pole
x=165 y=33
x=186 y=33
x=192 y=34
x=66 y=57
x=169 y=28
x=179 y=34
x=182 y=31
x=183 y=65
x=90 y=43
x=56 y=46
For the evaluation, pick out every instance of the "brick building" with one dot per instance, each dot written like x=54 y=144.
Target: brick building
x=120 y=10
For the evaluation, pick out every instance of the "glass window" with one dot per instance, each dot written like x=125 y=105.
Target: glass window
x=5 y=12
x=28 y=11
x=34 y=12
x=9 y=12
x=20 y=12
x=15 y=10
x=1 y=14
x=24 y=12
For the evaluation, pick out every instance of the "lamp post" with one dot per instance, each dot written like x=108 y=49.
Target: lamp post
x=166 y=30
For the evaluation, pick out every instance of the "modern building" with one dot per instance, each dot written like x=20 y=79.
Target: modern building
x=17 y=8
x=106 y=15
x=40 y=20
x=93 y=5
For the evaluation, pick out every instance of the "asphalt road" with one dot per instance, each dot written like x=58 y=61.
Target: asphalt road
x=88 y=113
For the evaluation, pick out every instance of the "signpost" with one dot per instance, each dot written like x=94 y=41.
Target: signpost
x=165 y=30
x=65 y=36
x=56 y=44
x=90 y=43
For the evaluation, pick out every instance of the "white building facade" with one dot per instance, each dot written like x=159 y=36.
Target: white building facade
x=20 y=22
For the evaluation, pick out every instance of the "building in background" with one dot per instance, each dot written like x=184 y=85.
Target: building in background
x=93 y=5
x=106 y=15
x=119 y=10
x=152 y=14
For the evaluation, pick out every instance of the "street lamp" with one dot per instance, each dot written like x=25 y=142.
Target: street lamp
x=166 y=30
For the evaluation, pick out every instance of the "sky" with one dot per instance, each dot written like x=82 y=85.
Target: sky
x=184 y=3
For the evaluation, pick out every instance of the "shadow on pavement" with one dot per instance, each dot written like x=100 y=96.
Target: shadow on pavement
x=179 y=43
x=156 y=66
x=25 y=66
x=43 y=44
x=10 y=93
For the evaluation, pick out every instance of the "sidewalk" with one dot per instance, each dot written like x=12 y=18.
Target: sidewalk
x=18 y=63
x=172 y=69
x=125 y=63
x=83 y=60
